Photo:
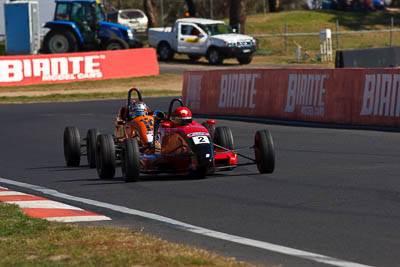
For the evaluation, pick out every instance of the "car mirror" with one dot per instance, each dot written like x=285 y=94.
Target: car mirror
x=201 y=35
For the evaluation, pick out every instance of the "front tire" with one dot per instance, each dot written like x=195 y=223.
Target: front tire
x=223 y=137
x=215 y=57
x=72 y=146
x=60 y=42
x=105 y=156
x=165 y=52
x=130 y=163
x=264 y=151
x=91 y=146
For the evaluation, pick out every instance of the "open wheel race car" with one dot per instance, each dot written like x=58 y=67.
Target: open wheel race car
x=167 y=143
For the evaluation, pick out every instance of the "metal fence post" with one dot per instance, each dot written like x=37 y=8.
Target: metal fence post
x=264 y=9
x=391 y=30
x=286 y=37
x=337 y=34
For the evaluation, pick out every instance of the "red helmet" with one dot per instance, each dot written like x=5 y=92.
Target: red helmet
x=181 y=116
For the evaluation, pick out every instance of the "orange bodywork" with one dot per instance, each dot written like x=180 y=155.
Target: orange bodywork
x=141 y=127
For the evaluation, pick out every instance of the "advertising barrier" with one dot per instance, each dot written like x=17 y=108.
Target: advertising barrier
x=343 y=96
x=71 y=67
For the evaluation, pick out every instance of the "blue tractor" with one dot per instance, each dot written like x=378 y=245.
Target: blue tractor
x=81 y=25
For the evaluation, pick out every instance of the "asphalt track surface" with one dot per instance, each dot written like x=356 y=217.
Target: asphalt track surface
x=334 y=192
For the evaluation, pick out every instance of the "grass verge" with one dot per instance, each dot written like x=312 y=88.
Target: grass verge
x=27 y=241
x=80 y=96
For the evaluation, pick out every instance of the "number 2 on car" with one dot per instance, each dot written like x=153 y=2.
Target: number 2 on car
x=200 y=140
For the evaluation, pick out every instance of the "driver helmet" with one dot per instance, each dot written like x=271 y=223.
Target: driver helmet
x=139 y=109
x=181 y=116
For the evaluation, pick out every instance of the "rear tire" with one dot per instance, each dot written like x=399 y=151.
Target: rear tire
x=223 y=137
x=91 y=146
x=72 y=146
x=130 y=162
x=165 y=52
x=105 y=156
x=264 y=151
x=57 y=41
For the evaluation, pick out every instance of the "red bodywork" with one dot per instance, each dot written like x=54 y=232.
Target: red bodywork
x=179 y=153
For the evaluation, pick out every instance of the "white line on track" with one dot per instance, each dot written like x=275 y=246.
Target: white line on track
x=194 y=229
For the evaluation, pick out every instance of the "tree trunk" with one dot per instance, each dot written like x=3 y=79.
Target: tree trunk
x=191 y=8
x=150 y=13
x=237 y=16
x=273 y=5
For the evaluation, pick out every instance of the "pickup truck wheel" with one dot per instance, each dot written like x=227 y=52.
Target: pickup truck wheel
x=116 y=44
x=245 y=60
x=165 y=52
x=194 y=57
x=60 y=42
x=214 y=57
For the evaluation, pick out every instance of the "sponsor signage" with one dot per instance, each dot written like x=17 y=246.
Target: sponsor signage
x=57 y=68
x=345 y=96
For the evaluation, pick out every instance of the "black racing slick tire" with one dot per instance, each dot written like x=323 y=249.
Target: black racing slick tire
x=130 y=161
x=165 y=52
x=60 y=41
x=264 y=151
x=211 y=130
x=223 y=137
x=72 y=146
x=105 y=156
x=91 y=138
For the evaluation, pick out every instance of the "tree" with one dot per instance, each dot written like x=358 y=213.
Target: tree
x=150 y=13
x=237 y=15
x=191 y=8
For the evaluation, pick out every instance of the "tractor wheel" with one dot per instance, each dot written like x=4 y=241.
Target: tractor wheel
x=116 y=44
x=264 y=151
x=72 y=146
x=165 y=52
x=57 y=41
x=211 y=130
x=105 y=156
x=214 y=56
x=223 y=137
x=130 y=162
x=91 y=146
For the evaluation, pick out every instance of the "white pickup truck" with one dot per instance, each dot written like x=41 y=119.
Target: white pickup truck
x=197 y=37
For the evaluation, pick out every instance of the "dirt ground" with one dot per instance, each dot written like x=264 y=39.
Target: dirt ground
x=164 y=82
